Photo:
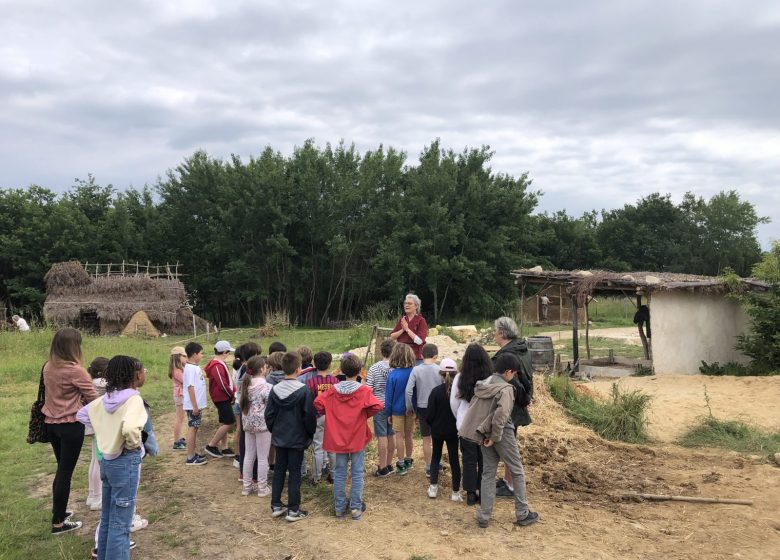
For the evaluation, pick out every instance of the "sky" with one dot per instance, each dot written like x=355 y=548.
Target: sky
x=600 y=102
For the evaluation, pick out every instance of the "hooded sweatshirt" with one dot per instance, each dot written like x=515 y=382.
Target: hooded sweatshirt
x=489 y=411
x=347 y=406
x=220 y=382
x=117 y=419
x=275 y=376
x=290 y=416
x=524 y=380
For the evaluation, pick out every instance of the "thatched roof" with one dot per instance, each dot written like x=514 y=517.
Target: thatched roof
x=588 y=282
x=71 y=291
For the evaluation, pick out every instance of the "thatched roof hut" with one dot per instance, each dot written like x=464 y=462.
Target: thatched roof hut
x=105 y=302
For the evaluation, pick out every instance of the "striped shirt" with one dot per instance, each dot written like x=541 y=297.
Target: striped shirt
x=377 y=379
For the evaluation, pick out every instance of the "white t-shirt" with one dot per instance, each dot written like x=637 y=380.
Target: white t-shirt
x=193 y=377
x=22 y=325
x=545 y=300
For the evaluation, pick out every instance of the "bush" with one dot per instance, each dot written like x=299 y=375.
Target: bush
x=621 y=417
x=733 y=435
x=730 y=368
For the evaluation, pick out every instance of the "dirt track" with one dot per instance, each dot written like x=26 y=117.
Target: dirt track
x=575 y=480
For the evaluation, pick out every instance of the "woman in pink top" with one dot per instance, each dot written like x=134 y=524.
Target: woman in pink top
x=176 y=373
x=68 y=387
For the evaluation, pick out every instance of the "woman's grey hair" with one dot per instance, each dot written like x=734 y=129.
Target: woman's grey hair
x=506 y=327
x=415 y=299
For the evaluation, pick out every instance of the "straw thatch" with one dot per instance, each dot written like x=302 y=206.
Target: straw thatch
x=140 y=325
x=71 y=294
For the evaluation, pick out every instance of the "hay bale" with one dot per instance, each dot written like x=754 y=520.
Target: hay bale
x=140 y=325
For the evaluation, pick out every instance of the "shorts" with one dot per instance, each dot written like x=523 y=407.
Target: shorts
x=382 y=427
x=178 y=401
x=425 y=428
x=225 y=413
x=194 y=421
x=403 y=423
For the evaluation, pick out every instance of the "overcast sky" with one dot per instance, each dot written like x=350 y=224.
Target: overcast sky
x=600 y=102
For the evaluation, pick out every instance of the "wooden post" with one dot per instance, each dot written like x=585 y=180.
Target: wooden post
x=522 y=305
x=560 y=305
x=587 y=329
x=575 y=343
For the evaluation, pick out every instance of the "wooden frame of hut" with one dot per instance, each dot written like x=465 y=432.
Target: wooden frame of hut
x=105 y=300
x=692 y=319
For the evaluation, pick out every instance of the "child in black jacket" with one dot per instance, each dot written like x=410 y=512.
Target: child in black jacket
x=443 y=430
x=292 y=421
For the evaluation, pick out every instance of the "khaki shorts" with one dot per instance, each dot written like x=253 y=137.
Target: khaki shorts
x=403 y=423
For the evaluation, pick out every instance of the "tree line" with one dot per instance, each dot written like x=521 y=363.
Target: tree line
x=327 y=233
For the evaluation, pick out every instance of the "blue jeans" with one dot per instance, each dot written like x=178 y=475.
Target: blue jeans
x=120 y=486
x=340 y=481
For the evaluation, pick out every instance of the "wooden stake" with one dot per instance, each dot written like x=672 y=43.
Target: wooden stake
x=575 y=343
x=694 y=499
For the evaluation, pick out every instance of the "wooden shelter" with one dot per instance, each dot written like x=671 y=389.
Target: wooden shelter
x=103 y=298
x=692 y=319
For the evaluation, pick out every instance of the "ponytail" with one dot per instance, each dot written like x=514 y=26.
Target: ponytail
x=253 y=367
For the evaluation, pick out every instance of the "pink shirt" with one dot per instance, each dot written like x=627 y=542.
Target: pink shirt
x=178 y=383
x=68 y=387
x=419 y=327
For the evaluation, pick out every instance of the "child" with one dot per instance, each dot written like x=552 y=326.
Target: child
x=291 y=418
x=246 y=351
x=96 y=370
x=117 y=419
x=442 y=427
x=257 y=438
x=223 y=394
x=402 y=362
x=176 y=374
x=318 y=384
x=488 y=423
x=194 y=400
x=275 y=374
x=348 y=405
x=385 y=436
x=307 y=361
x=424 y=378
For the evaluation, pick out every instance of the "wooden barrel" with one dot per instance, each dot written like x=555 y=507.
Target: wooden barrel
x=541 y=350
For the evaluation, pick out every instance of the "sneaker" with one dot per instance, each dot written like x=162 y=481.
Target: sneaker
x=386 y=471
x=293 y=516
x=433 y=490
x=179 y=446
x=68 y=515
x=428 y=471
x=325 y=471
x=94 y=554
x=246 y=491
x=227 y=452
x=340 y=516
x=358 y=513
x=471 y=498
x=132 y=545
x=236 y=464
x=504 y=492
x=67 y=527
x=214 y=451
x=263 y=492
x=456 y=497
x=199 y=455
x=138 y=523
x=401 y=469
x=529 y=519
x=278 y=511
x=196 y=461
x=379 y=472
x=500 y=483
x=409 y=462
x=483 y=524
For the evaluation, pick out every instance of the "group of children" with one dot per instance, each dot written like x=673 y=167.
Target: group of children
x=289 y=402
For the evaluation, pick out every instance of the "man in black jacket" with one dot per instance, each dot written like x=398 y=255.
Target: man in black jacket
x=292 y=421
x=505 y=335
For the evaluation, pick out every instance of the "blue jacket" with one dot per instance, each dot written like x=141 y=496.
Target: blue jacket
x=395 y=392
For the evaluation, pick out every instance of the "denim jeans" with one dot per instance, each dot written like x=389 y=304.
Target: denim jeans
x=288 y=459
x=120 y=486
x=340 y=481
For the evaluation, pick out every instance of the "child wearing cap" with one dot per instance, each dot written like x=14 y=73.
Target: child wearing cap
x=422 y=380
x=176 y=375
x=441 y=423
x=223 y=394
x=347 y=406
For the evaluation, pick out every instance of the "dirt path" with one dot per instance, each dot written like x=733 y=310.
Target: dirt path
x=678 y=400
x=629 y=335
x=574 y=480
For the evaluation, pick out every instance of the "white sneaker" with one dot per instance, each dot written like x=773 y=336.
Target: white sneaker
x=456 y=497
x=138 y=523
x=95 y=504
x=236 y=463
x=433 y=490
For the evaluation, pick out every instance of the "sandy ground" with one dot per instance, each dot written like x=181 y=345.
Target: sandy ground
x=576 y=481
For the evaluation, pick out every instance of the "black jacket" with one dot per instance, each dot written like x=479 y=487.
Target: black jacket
x=439 y=414
x=523 y=382
x=290 y=415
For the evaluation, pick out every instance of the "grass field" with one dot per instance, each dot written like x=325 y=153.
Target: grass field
x=25 y=520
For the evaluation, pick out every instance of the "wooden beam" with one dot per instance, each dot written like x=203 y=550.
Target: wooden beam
x=575 y=343
x=587 y=329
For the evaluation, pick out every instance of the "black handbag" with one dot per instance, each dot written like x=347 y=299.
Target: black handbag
x=36 y=432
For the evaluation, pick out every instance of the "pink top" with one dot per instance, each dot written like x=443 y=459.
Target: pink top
x=68 y=387
x=178 y=383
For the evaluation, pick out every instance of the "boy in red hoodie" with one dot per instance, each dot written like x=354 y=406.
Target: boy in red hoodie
x=347 y=407
x=223 y=394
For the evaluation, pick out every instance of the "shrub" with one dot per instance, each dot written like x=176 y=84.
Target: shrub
x=733 y=435
x=730 y=368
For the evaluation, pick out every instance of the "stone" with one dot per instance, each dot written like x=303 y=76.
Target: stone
x=584 y=273
x=777 y=459
x=652 y=280
x=433 y=332
x=537 y=268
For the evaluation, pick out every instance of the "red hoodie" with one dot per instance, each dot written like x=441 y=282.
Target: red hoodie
x=347 y=407
x=220 y=387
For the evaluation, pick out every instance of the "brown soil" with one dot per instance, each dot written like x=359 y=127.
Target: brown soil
x=576 y=481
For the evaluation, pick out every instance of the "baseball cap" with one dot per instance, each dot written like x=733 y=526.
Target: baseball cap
x=223 y=346
x=178 y=350
x=448 y=364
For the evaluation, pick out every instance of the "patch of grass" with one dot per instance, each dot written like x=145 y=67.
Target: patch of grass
x=423 y=557
x=733 y=435
x=621 y=417
x=174 y=540
x=733 y=368
x=642 y=371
